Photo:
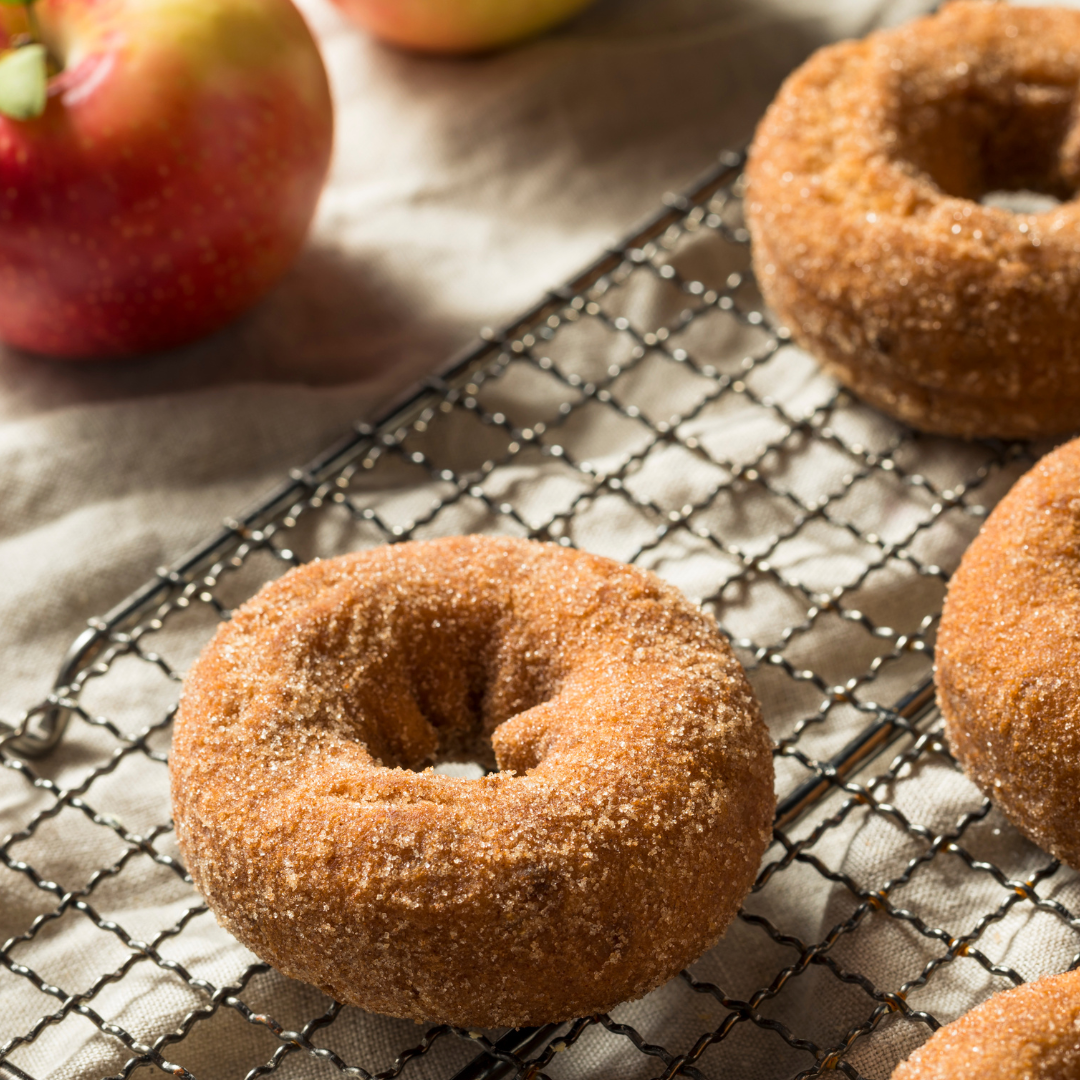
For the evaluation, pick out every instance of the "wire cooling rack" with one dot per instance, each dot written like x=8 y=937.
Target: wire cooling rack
x=649 y=410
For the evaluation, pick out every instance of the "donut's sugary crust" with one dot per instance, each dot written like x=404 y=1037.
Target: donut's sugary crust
x=868 y=242
x=626 y=825
x=1008 y=655
x=1031 y=1032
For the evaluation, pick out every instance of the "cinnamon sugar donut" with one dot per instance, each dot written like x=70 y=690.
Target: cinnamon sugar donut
x=1008 y=656
x=629 y=816
x=1031 y=1032
x=870 y=243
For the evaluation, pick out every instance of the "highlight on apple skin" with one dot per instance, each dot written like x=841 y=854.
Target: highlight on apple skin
x=458 y=26
x=170 y=179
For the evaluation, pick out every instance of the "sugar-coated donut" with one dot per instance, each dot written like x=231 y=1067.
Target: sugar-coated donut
x=1008 y=655
x=869 y=241
x=628 y=820
x=1031 y=1032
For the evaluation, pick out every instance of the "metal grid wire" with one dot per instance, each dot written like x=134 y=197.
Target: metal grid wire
x=651 y=411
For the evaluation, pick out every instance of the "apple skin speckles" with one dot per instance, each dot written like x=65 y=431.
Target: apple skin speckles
x=171 y=179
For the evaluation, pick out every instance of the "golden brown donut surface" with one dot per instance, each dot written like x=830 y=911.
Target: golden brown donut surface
x=1031 y=1032
x=869 y=241
x=627 y=821
x=1008 y=655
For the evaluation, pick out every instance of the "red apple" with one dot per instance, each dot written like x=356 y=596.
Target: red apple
x=171 y=177
x=458 y=26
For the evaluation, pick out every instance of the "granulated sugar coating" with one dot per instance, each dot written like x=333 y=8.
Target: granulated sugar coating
x=1031 y=1032
x=869 y=241
x=628 y=820
x=1008 y=656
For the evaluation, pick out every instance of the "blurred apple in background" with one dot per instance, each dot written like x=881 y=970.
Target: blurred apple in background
x=458 y=26
x=160 y=162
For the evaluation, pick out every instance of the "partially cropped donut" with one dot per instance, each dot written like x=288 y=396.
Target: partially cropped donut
x=869 y=241
x=1031 y=1032
x=1008 y=655
x=625 y=826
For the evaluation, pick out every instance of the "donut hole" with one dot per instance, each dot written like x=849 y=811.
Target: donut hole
x=462 y=770
x=1020 y=202
x=464 y=749
x=448 y=728
x=447 y=682
x=994 y=134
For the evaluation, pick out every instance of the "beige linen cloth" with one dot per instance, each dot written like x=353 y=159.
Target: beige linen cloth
x=460 y=191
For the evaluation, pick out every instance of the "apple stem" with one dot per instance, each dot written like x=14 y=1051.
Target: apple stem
x=32 y=35
x=32 y=21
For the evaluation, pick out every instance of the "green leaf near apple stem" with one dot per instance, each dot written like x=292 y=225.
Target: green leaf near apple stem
x=24 y=79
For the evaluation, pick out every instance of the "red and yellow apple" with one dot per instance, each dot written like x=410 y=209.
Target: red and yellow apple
x=170 y=179
x=458 y=26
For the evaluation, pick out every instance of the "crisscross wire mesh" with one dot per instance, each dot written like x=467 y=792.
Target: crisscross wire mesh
x=651 y=411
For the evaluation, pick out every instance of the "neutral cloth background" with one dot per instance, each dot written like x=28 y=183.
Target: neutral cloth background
x=460 y=190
